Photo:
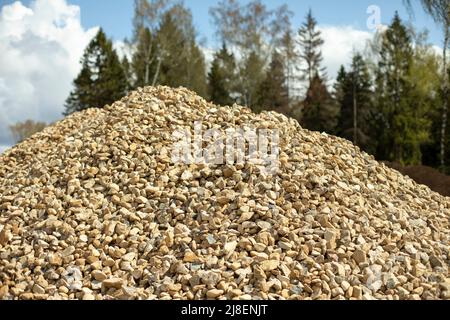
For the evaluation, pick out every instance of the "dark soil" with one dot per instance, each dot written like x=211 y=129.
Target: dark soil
x=430 y=177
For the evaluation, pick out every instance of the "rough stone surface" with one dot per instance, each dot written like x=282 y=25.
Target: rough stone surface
x=94 y=208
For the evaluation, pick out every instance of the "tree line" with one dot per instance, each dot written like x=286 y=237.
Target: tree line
x=391 y=101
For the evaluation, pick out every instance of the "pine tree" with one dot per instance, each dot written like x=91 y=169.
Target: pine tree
x=405 y=129
x=310 y=42
x=102 y=79
x=222 y=77
x=196 y=66
x=274 y=94
x=180 y=62
x=253 y=30
x=354 y=96
x=320 y=111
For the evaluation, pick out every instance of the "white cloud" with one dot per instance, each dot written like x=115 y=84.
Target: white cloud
x=340 y=44
x=41 y=46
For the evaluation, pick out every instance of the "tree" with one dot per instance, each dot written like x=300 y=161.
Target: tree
x=254 y=31
x=253 y=73
x=405 y=129
x=439 y=10
x=23 y=130
x=222 y=77
x=354 y=93
x=127 y=69
x=144 y=58
x=290 y=57
x=310 y=42
x=180 y=61
x=274 y=94
x=320 y=111
x=146 y=21
x=101 y=80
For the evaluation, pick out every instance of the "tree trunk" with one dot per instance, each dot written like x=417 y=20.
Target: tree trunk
x=445 y=94
x=158 y=68
x=355 y=113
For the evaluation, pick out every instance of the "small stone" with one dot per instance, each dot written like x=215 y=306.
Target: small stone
x=5 y=236
x=187 y=176
x=418 y=270
x=246 y=215
x=4 y=291
x=113 y=283
x=264 y=225
x=390 y=281
x=269 y=265
x=357 y=293
x=129 y=256
x=345 y=285
x=338 y=269
x=88 y=296
x=229 y=248
x=38 y=289
x=191 y=257
x=359 y=256
x=436 y=262
x=330 y=237
x=55 y=259
x=214 y=293
x=337 y=292
x=98 y=275
x=68 y=251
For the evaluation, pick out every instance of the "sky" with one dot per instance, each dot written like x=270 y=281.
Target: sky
x=41 y=42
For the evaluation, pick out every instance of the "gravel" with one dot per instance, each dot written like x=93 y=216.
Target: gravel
x=94 y=208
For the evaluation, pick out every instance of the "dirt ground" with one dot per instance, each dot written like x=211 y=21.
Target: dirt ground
x=430 y=177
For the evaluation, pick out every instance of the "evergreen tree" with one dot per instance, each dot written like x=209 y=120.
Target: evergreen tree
x=274 y=94
x=222 y=77
x=102 y=79
x=180 y=62
x=196 y=71
x=405 y=130
x=320 y=111
x=253 y=30
x=439 y=10
x=354 y=96
x=310 y=42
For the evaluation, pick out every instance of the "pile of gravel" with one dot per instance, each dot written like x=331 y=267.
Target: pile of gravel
x=94 y=208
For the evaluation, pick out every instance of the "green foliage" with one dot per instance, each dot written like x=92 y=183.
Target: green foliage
x=354 y=96
x=252 y=75
x=222 y=78
x=310 y=42
x=273 y=93
x=102 y=79
x=403 y=102
x=320 y=112
x=144 y=57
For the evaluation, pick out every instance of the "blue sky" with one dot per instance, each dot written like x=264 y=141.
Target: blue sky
x=115 y=15
x=42 y=41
